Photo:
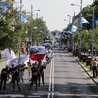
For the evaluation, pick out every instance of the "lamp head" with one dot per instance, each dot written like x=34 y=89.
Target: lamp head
x=72 y=4
x=38 y=10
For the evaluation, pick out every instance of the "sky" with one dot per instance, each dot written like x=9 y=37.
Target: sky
x=54 y=12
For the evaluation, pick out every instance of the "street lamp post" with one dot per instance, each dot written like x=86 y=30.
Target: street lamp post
x=31 y=23
x=20 y=10
x=20 y=21
x=92 y=29
x=80 y=23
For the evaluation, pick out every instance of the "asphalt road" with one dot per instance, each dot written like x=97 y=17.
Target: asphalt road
x=64 y=78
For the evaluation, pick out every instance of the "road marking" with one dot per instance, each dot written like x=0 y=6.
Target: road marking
x=48 y=95
x=51 y=79
x=34 y=96
x=53 y=76
x=52 y=95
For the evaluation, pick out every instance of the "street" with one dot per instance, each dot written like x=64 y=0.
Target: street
x=49 y=49
x=64 y=78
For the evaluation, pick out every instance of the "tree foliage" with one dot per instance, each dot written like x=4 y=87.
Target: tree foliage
x=87 y=31
x=12 y=31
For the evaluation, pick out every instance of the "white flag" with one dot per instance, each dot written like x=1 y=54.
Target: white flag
x=83 y=20
x=18 y=60
x=73 y=28
x=7 y=54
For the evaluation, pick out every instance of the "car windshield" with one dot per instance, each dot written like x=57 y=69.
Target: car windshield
x=47 y=45
x=35 y=49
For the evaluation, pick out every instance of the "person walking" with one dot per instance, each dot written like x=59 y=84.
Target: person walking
x=34 y=76
x=15 y=77
x=41 y=73
x=94 y=65
x=4 y=75
x=21 y=72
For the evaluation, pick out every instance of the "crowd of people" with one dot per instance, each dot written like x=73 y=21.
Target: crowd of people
x=16 y=75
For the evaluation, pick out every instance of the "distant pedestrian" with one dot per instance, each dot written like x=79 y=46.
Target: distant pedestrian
x=94 y=65
x=27 y=48
x=4 y=75
x=89 y=51
x=29 y=69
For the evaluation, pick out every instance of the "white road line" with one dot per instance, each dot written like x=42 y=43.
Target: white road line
x=34 y=96
x=48 y=95
x=53 y=76
x=50 y=80
x=50 y=77
x=52 y=95
x=53 y=79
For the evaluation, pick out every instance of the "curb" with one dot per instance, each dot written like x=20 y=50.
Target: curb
x=86 y=70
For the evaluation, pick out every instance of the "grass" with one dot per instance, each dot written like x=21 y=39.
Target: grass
x=88 y=67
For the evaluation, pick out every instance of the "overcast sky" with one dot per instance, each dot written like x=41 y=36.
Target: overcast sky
x=54 y=11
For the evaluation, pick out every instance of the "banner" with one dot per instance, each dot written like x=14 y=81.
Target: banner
x=96 y=20
x=68 y=32
x=18 y=60
x=83 y=20
x=74 y=29
x=4 y=7
x=24 y=18
x=7 y=54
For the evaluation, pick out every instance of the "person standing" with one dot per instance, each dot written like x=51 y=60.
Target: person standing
x=89 y=51
x=4 y=74
x=29 y=69
x=94 y=65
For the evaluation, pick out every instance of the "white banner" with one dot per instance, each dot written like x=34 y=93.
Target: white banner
x=18 y=60
x=7 y=54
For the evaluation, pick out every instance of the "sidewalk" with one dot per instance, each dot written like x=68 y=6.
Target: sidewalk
x=85 y=69
x=2 y=65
